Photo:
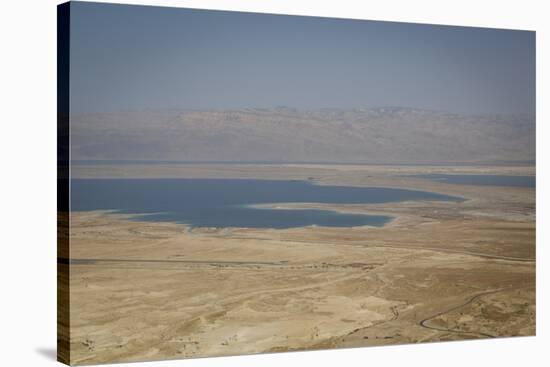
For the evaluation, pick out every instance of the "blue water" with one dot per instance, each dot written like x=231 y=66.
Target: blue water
x=484 y=180
x=227 y=202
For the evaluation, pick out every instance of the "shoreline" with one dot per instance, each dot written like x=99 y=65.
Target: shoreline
x=181 y=292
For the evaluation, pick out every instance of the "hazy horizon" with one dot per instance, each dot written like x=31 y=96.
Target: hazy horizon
x=290 y=108
x=385 y=135
x=175 y=84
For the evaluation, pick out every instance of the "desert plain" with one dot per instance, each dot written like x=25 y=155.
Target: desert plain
x=438 y=271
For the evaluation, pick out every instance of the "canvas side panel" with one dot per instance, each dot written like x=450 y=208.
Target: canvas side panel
x=63 y=174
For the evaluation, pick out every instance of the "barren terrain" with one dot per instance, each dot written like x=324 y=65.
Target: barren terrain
x=283 y=134
x=438 y=271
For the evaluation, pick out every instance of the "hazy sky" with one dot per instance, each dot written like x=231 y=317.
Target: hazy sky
x=137 y=58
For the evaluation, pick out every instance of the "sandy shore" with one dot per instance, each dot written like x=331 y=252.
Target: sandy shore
x=438 y=271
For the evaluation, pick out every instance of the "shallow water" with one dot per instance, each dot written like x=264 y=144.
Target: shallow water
x=228 y=202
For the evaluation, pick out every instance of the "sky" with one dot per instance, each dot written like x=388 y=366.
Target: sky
x=135 y=58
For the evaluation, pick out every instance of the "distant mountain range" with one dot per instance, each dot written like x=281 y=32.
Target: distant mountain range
x=283 y=134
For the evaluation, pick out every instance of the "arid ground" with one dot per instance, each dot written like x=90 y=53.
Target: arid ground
x=438 y=271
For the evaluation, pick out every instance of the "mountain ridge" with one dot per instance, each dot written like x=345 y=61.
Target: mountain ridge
x=385 y=134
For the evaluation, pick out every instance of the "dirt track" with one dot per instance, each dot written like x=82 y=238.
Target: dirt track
x=439 y=271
